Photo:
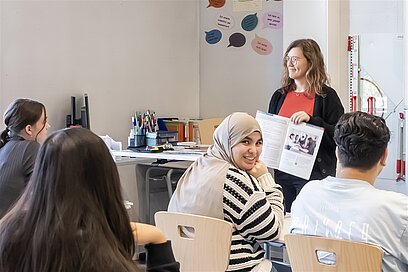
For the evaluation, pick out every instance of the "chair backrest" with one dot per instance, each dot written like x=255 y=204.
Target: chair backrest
x=349 y=255
x=206 y=128
x=199 y=243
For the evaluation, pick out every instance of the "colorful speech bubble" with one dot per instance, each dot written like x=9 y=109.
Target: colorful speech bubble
x=237 y=40
x=261 y=45
x=216 y=3
x=213 y=36
x=272 y=20
x=249 y=22
x=225 y=21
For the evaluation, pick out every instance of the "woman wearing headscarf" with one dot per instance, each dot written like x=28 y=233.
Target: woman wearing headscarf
x=230 y=183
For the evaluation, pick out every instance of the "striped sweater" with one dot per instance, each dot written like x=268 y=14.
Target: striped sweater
x=255 y=209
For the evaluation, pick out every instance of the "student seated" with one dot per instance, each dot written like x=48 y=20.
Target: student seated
x=229 y=182
x=26 y=128
x=348 y=206
x=72 y=217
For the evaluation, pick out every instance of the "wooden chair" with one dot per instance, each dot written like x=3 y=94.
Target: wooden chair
x=350 y=255
x=206 y=244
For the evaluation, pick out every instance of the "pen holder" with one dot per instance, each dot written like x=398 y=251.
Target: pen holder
x=151 y=139
x=138 y=141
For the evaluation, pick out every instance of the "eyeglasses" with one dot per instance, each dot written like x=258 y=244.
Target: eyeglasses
x=294 y=60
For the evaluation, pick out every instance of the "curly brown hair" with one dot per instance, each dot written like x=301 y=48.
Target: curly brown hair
x=316 y=75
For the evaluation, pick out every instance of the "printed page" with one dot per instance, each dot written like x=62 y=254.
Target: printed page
x=274 y=129
x=300 y=149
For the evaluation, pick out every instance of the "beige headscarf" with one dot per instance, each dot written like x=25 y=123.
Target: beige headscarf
x=200 y=189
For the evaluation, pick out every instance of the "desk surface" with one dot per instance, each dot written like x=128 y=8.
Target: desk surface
x=166 y=155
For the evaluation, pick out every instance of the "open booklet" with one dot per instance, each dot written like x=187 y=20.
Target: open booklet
x=289 y=147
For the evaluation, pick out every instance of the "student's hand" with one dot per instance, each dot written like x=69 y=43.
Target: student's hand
x=147 y=234
x=258 y=170
x=299 y=117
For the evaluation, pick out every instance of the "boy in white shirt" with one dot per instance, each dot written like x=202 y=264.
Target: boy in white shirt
x=348 y=206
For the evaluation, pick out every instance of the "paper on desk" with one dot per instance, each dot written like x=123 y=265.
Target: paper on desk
x=186 y=143
x=112 y=144
x=183 y=150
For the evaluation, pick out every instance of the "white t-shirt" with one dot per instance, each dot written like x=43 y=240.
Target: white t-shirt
x=355 y=210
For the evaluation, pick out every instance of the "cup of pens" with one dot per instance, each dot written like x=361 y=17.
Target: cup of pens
x=140 y=140
x=142 y=123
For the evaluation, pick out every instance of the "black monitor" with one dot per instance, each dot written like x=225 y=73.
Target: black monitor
x=85 y=113
x=84 y=120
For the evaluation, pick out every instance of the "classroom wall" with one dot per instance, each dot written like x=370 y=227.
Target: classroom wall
x=325 y=21
x=134 y=55
x=380 y=26
x=237 y=78
x=127 y=55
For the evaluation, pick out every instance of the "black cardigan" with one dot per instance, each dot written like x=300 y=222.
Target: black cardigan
x=326 y=112
x=160 y=258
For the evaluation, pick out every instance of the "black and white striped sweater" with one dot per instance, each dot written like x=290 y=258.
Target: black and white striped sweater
x=254 y=207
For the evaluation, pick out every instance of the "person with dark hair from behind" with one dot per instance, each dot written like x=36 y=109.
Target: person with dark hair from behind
x=348 y=206
x=72 y=217
x=26 y=128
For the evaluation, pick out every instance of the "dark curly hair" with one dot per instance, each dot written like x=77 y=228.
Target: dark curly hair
x=361 y=139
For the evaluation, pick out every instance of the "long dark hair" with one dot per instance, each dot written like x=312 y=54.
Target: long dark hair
x=20 y=113
x=316 y=75
x=71 y=216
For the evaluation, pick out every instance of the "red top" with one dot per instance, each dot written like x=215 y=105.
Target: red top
x=295 y=102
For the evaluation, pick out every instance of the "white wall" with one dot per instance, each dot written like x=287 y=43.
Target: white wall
x=127 y=55
x=237 y=79
x=325 y=21
x=380 y=26
x=305 y=19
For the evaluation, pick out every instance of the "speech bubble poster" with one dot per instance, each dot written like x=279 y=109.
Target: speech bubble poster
x=272 y=20
x=249 y=22
x=213 y=36
x=225 y=21
x=237 y=40
x=216 y=3
x=247 y=25
x=261 y=45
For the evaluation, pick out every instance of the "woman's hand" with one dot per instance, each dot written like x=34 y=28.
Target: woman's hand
x=299 y=117
x=147 y=234
x=258 y=170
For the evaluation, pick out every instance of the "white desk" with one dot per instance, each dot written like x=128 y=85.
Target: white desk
x=165 y=155
x=143 y=162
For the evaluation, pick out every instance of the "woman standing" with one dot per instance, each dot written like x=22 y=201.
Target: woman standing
x=306 y=97
x=26 y=128
x=230 y=183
